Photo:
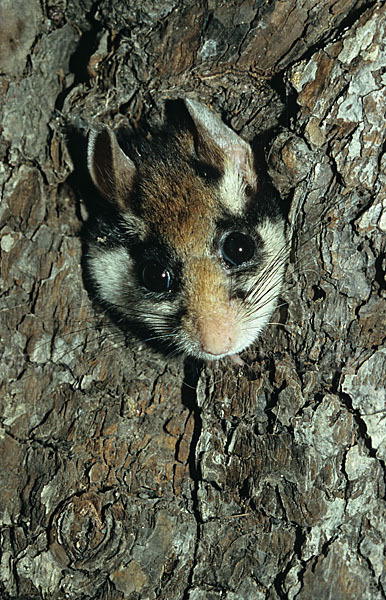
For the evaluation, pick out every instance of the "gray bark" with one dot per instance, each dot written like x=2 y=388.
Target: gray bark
x=126 y=474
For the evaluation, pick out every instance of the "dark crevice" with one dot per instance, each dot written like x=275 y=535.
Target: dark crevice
x=300 y=538
x=318 y=293
x=325 y=547
x=80 y=58
x=261 y=146
x=192 y=371
x=362 y=428
x=361 y=209
x=288 y=95
x=272 y=426
x=335 y=381
x=279 y=581
x=379 y=271
x=86 y=47
x=244 y=490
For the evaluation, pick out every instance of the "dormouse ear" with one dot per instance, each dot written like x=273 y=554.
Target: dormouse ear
x=111 y=170
x=213 y=133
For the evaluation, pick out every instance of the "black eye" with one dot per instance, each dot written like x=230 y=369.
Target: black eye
x=155 y=277
x=238 y=248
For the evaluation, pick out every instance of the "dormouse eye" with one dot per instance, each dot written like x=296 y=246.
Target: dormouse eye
x=238 y=248
x=155 y=277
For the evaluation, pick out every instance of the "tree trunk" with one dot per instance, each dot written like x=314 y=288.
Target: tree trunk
x=130 y=475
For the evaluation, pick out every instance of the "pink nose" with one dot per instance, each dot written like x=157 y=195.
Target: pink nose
x=216 y=334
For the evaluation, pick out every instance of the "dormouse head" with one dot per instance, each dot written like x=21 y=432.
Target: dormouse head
x=191 y=247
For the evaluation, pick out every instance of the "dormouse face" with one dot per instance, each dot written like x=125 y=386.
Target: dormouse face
x=193 y=248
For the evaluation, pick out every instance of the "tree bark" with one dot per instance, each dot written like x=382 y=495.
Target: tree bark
x=126 y=474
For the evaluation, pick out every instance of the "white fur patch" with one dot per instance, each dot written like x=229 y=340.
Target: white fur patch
x=232 y=190
x=273 y=237
x=110 y=270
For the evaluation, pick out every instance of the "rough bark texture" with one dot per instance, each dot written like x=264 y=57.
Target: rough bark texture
x=126 y=475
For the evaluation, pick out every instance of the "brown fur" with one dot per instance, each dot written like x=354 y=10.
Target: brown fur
x=181 y=209
x=187 y=221
x=207 y=299
x=206 y=287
